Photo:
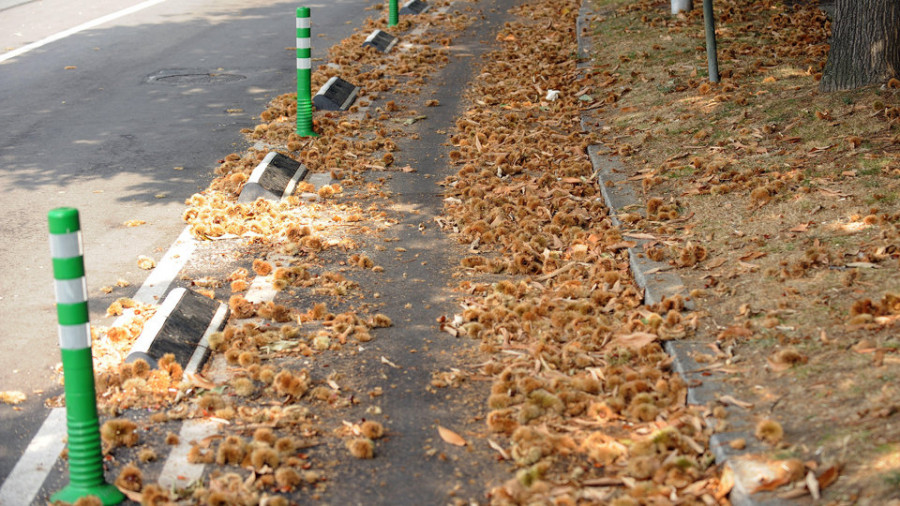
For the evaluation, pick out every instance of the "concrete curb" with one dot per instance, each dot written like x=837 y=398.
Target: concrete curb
x=274 y=178
x=181 y=326
x=652 y=276
x=381 y=40
x=413 y=7
x=704 y=386
x=335 y=95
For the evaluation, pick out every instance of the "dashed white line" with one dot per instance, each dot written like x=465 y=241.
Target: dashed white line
x=177 y=471
x=32 y=468
x=167 y=269
x=261 y=289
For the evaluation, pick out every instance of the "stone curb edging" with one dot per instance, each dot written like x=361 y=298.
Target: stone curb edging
x=274 y=178
x=413 y=7
x=703 y=387
x=381 y=40
x=181 y=326
x=335 y=95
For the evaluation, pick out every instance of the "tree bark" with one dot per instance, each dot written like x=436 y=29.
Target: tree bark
x=865 y=44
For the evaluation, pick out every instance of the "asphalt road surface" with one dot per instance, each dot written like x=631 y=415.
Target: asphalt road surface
x=122 y=119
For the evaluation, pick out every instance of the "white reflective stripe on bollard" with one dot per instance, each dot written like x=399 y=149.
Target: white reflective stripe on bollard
x=66 y=245
x=70 y=291
x=75 y=337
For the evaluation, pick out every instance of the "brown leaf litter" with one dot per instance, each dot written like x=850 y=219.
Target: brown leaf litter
x=792 y=194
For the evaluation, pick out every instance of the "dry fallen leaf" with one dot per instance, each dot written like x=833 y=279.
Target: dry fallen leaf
x=727 y=399
x=780 y=473
x=726 y=483
x=753 y=256
x=451 y=437
x=828 y=476
x=716 y=262
x=636 y=235
x=200 y=381
x=634 y=341
x=813 y=485
x=131 y=494
x=803 y=227
x=503 y=453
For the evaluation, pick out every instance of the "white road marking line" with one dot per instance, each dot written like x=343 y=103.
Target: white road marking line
x=177 y=471
x=80 y=28
x=162 y=275
x=167 y=269
x=35 y=463
x=261 y=289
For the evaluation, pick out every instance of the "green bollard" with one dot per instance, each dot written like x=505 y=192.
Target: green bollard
x=392 y=13
x=304 y=67
x=85 y=454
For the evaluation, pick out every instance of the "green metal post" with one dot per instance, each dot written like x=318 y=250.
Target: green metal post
x=712 y=59
x=392 y=13
x=85 y=454
x=304 y=67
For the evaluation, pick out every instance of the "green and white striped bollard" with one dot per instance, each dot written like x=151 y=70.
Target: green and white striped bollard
x=304 y=69
x=392 y=13
x=85 y=453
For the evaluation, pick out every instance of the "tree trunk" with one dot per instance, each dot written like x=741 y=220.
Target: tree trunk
x=865 y=44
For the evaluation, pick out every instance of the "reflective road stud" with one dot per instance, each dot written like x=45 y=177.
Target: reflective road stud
x=85 y=455
x=304 y=66
x=392 y=13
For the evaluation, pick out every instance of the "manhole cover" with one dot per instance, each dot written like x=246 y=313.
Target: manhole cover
x=192 y=77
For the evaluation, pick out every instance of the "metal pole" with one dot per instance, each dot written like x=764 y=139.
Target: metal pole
x=681 y=5
x=85 y=453
x=304 y=66
x=711 y=57
x=392 y=13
